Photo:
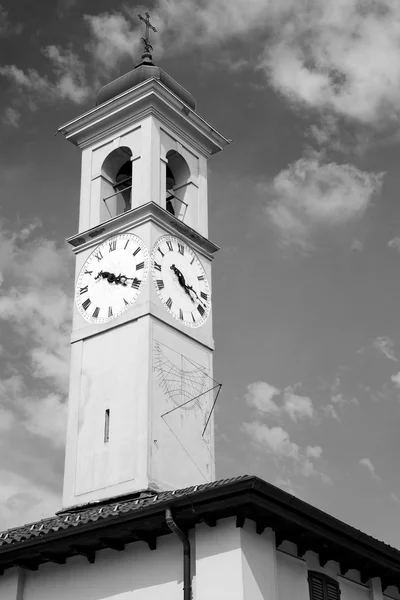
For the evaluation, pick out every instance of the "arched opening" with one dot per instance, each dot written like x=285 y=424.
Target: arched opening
x=117 y=182
x=176 y=181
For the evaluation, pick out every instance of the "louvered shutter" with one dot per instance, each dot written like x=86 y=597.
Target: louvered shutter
x=322 y=587
x=332 y=590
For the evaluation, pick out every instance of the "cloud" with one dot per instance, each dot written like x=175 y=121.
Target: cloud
x=394 y=243
x=261 y=396
x=330 y=411
x=357 y=246
x=339 y=57
x=35 y=319
x=24 y=500
x=385 y=346
x=7 y=27
x=396 y=379
x=68 y=80
x=11 y=117
x=309 y=196
x=298 y=407
x=365 y=462
x=276 y=442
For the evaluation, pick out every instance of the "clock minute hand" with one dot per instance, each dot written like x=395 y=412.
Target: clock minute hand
x=190 y=288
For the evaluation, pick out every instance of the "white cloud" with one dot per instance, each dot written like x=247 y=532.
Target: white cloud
x=396 y=379
x=276 y=442
x=261 y=396
x=394 y=243
x=68 y=81
x=7 y=27
x=339 y=57
x=330 y=411
x=298 y=407
x=24 y=500
x=36 y=305
x=385 y=346
x=309 y=196
x=11 y=117
x=357 y=246
x=365 y=462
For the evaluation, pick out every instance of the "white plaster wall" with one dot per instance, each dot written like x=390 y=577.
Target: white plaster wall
x=136 y=573
x=258 y=563
x=350 y=590
x=180 y=454
x=292 y=577
x=12 y=584
x=218 y=562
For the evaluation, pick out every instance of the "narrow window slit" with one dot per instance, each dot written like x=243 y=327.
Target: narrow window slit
x=107 y=426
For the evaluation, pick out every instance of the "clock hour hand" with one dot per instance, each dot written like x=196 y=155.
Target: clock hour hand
x=111 y=278
x=181 y=280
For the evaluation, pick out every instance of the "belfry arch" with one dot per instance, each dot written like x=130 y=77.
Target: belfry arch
x=116 y=188
x=176 y=183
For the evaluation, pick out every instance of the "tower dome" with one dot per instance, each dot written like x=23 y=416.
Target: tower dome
x=144 y=71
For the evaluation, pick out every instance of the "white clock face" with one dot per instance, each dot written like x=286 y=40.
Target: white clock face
x=181 y=281
x=112 y=277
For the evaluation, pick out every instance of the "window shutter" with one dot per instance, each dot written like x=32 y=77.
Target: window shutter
x=332 y=590
x=322 y=587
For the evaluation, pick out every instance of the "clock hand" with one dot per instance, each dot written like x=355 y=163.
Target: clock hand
x=189 y=287
x=111 y=278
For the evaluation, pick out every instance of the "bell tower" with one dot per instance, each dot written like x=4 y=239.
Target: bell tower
x=141 y=385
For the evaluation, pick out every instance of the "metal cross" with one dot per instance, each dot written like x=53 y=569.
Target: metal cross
x=146 y=40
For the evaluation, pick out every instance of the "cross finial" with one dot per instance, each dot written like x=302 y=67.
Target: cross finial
x=146 y=56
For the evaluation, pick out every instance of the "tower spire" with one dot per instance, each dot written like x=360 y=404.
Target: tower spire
x=146 y=56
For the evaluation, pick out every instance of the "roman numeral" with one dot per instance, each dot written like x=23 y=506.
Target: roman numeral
x=86 y=304
x=83 y=290
x=192 y=261
x=136 y=283
x=99 y=255
x=181 y=249
x=96 y=312
x=157 y=266
x=126 y=303
x=169 y=244
x=181 y=314
x=201 y=310
x=200 y=277
x=203 y=295
x=110 y=312
x=138 y=249
x=126 y=245
x=193 y=318
x=140 y=266
x=169 y=303
x=160 y=284
x=113 y=245
x=161 y=252
x=88 y=272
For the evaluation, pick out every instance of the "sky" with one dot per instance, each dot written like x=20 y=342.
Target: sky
x=303 y=203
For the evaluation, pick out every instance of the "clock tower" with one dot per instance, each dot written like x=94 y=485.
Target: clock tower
x=141 y=385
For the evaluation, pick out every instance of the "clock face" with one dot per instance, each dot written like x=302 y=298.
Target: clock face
x=181 y=281
x=112 y=277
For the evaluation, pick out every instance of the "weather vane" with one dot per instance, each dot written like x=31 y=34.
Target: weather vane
x=146 y=40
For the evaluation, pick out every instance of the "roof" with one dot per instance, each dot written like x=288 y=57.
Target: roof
x=113 y=524
x=141 y=73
